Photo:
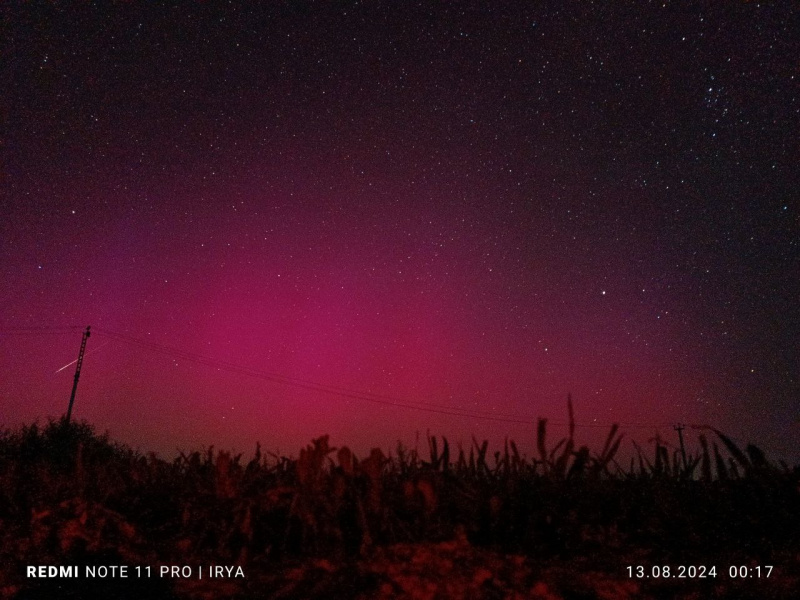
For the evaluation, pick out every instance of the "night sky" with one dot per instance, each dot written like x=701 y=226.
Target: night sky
x=372 y=219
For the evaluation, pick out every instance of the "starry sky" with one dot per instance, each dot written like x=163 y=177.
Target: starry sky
x=378 y=219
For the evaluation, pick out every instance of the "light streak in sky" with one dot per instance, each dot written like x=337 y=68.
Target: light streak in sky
x=87 y=354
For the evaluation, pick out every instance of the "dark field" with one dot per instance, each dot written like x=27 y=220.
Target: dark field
x=447 y=523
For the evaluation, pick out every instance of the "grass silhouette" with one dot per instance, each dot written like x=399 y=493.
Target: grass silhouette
x=69 y=496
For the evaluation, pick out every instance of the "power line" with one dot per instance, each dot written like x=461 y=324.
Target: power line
x=301 y=383
x=345 y=392
x=309 y=385
x=41 y=330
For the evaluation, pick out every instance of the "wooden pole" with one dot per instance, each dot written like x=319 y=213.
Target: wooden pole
x=85 y=337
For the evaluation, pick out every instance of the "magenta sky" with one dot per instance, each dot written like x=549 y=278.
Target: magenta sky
x=477 y=210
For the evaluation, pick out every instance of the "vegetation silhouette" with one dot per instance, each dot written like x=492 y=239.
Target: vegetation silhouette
x=71 y=496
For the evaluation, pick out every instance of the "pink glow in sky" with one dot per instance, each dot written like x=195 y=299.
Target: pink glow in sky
x=461 y=212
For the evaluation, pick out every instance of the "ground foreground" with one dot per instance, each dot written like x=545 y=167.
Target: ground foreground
x=457 y=569
x=570 y=523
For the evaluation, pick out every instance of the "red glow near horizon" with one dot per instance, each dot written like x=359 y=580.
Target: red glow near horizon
x=440 y=206
x=438 y=311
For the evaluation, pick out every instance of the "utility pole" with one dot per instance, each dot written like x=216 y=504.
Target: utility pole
x=86 y=335
x=679 y=428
